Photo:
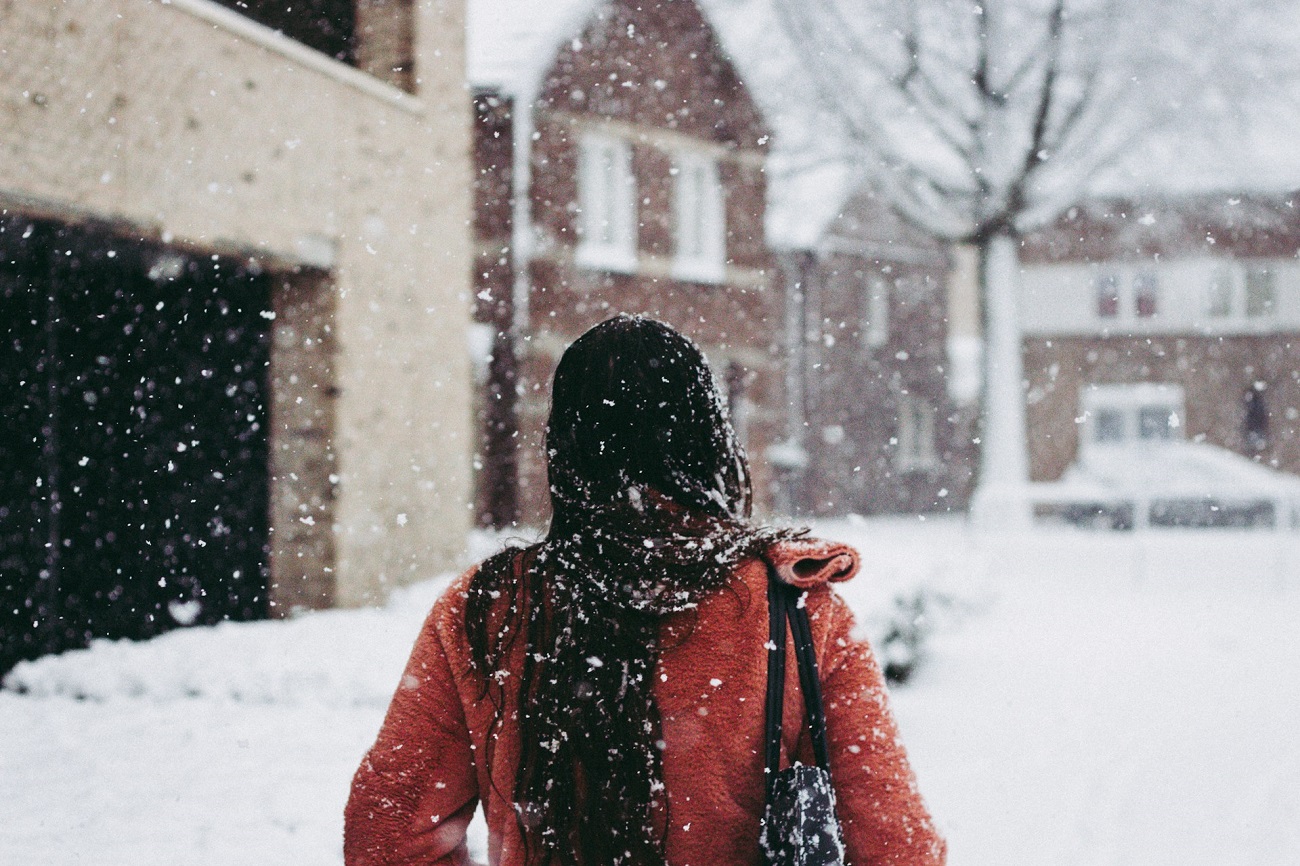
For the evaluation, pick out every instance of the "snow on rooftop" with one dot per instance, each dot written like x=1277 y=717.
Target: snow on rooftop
x=810 y=178
x=1258 y=155
x=510 y=43
x=805 y=202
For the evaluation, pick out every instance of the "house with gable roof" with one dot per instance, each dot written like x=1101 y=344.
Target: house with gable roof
x=880 y=408
x=881 y=420
x=619 y=167
x=1163 y=307
x=1160 y=318
x=1174 y=317
x=1147 y=322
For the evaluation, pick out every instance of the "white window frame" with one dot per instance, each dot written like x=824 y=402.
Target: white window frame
x=699 y=219
x=1125 y=281
x=914 y=446
x=607 y=209
x=876 y=328
x=1234 y=277
x=1269 y=309
x=1222 y=291
x=1110 y=278
x=1128 y=401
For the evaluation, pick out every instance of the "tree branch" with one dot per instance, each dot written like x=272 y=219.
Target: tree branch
x=1035 y=155
x=836 y=87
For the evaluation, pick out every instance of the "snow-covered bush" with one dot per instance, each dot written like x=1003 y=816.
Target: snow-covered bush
x=904 y=630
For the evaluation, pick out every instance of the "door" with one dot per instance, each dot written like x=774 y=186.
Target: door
x=133 y=381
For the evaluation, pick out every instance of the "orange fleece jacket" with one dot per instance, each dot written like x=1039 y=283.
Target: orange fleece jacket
x=432 y=764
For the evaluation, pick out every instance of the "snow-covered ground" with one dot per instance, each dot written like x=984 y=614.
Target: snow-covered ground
x=1089 y=699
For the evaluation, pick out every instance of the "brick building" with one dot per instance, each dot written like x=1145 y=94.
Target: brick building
x=1160 y=319
x=876 y=427
x=234 y=290
x=619 y=168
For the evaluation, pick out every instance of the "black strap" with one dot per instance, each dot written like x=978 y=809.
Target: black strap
x=775 y=681
x=809 y=683
x=784 y=604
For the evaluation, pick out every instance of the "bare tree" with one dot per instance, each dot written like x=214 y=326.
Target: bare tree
x=981 y=120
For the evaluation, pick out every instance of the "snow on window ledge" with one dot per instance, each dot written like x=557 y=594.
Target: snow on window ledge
x=699 y=271
x=601 y=257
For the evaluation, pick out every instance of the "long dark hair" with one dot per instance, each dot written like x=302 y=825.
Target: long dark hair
x=651 y=499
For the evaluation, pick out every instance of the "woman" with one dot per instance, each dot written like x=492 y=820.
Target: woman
x=602 y=691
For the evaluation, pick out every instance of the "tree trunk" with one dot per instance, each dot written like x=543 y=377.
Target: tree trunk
x=1000 y=495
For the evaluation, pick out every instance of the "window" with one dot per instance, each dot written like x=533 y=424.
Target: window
x=1146 y=294
x=915 y=448
x=1156 y=422
x=700 y=224
x=1241 y=292
x=1125 y=415
x=1260 y=292
x=1107 y=285
x=1127 y=294
x=1221 y=290
x=607 y=204
x=875 y=329
x=329 y=26
x=1109 y=425
x=1256 y=421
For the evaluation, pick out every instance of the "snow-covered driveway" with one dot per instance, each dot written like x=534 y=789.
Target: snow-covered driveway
x=1102 y=700
x=1072 y=726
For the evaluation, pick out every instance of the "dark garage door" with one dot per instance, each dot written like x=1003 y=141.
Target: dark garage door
x=133 y=460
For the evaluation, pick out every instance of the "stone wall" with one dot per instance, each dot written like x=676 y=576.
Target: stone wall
x=304 y=393
x=385 y=44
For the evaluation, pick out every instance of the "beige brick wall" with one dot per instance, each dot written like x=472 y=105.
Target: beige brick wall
x=185 y=122
x=385 y=48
